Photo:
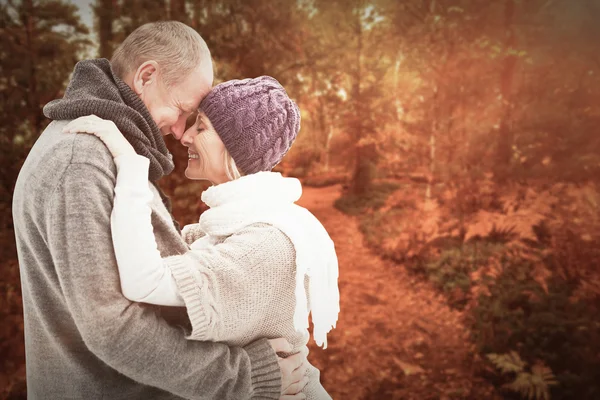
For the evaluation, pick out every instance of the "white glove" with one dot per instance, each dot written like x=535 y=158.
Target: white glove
x=104 y=129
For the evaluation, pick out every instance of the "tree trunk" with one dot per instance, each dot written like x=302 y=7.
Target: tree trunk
x=362 y=177
x=325 y=132
x=431 y=166
x=397 y=103
x=505 y=134
x=177 y=11
x=29 y=22
x=198 y=14
x=327 y=145
x=432 y=142
x=105 y=14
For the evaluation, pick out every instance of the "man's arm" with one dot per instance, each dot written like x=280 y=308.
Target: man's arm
x=131 y=338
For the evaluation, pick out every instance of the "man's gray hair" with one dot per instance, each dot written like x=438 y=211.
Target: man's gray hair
x=177 y=48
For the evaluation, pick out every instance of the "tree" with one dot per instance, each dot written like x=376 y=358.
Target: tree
x=351 y=34
x=134 y=13
x=509 y=63
x=41 y=40
x=105 y=11
x=177 y=11
x=252 y=38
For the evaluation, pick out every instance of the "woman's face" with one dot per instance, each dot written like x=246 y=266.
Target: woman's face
x=206 y=152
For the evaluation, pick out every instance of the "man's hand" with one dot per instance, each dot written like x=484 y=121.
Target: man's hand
x=293 y=369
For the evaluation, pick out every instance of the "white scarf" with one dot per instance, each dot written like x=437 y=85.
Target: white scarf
x=267 y=197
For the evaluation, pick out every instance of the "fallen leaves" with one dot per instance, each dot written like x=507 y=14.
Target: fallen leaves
x=408 y=368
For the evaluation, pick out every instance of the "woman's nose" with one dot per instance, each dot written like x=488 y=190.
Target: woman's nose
x=188 y=137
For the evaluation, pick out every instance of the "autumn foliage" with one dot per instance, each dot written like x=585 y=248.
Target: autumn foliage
x=463 y=135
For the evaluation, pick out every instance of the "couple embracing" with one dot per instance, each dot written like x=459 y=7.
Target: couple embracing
x=119 y=303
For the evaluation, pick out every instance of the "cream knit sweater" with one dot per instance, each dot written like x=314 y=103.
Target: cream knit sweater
x=254 y=256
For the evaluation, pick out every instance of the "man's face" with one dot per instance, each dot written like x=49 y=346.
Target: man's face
x=171 y=106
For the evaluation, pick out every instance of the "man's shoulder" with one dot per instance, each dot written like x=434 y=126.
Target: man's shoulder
x=55 y=154
x=58 y=150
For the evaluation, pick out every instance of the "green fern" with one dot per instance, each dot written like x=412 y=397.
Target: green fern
x=533 y=385
x=507 y=363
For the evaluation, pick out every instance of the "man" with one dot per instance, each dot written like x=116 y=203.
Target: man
x=83 y=339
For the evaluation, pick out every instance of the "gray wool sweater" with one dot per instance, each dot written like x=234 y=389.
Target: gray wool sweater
x=83 y=339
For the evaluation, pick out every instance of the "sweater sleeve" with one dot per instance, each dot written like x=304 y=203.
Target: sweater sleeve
x=232 y=286
x=130 y=337
x=192 y=232
x=144 y=277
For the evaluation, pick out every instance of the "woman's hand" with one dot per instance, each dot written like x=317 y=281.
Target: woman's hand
x=104 y=129
x=293 y=370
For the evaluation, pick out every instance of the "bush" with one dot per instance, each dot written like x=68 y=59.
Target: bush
x=453 y=271
x=523 y=267
x=548 y=327
x=532 y=383
x=303 y=158
x=353 y=204
x=326 y=179
x=511 y=308
x=408 y=225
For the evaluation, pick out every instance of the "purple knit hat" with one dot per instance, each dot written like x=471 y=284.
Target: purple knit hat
x=255 y=119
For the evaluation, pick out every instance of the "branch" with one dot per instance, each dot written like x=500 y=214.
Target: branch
x=293 y=66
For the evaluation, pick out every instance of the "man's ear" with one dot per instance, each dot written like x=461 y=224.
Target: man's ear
x=146 y=74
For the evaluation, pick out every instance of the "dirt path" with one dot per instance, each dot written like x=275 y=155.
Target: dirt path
x=396 y=338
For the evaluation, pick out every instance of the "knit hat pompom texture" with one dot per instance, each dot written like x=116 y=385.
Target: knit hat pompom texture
x=255 y=119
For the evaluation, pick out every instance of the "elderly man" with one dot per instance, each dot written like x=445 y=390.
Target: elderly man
x=83 y=339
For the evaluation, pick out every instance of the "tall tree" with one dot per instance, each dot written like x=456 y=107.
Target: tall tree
x=177 y=11
x=105 y=12
x=352 y=36
x=134 y=13
x=41 y=40
x=252 y=38
x=509 y=63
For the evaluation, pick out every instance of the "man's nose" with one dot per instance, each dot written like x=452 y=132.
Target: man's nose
x=178 y=129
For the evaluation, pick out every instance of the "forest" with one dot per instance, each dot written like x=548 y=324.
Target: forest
x=450 y=147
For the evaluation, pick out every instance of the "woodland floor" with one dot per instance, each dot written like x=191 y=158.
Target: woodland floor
x=396 y=338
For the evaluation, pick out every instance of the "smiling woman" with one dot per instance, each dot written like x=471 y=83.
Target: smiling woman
x=206 y=152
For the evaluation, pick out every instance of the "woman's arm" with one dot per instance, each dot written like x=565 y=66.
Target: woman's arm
x=144 y=277
x=231 y=287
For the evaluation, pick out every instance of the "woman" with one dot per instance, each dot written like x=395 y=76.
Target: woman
x=257 y=262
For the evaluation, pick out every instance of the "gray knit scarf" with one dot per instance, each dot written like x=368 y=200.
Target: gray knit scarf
x=95 y=89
